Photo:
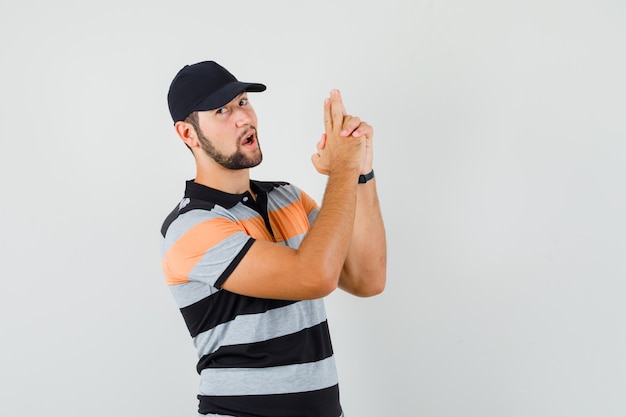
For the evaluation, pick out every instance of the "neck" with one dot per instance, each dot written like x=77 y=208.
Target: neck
x=223 y=179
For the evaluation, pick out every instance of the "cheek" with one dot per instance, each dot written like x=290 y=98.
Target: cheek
x=252 y=116
x=225 y=138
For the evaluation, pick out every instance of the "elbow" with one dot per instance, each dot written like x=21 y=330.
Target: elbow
x=321 y=289
x=378 y=287
x=327 y=288
x=375 y=287
x=328 y=282
x=321 y=282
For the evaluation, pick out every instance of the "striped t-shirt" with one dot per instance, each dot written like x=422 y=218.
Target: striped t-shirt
x=257 y=357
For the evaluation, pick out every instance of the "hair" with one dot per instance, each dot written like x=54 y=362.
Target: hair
x=192 y=119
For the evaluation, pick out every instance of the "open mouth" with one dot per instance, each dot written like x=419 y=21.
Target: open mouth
x=248 y=139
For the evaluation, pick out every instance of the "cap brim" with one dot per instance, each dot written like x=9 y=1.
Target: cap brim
x=226 y=94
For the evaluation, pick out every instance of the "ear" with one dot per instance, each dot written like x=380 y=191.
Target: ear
x=186 y=133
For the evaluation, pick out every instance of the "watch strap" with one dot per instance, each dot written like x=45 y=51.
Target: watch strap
x=365 y=178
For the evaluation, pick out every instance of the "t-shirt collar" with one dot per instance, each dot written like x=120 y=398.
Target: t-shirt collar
x=196 y=191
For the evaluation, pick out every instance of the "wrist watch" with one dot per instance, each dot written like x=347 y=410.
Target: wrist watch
x=365 y=178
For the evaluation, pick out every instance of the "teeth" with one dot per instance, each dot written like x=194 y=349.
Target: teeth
x=248 y=140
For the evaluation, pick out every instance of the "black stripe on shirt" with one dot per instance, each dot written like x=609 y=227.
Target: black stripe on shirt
x=224 y=306
x=324 y=402
x=191 y=205
x=233 y=264
x=308 y=345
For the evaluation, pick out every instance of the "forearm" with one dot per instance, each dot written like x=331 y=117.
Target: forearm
x=361 y=268
x=364 y=269
x=327 y=242
x=270 y=270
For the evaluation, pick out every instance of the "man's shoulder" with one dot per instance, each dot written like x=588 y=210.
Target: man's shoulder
x=202 y=210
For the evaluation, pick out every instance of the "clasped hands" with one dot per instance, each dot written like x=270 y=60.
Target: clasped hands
x=346 y=141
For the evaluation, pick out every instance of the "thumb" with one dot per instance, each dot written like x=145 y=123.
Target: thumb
x=321 y=144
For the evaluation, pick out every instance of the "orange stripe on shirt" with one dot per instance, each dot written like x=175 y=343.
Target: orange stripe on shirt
x=307 y=202
x=289 y=221
x=185 y=253
x=255 y=227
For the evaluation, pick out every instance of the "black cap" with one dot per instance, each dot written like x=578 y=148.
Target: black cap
x=204 y=86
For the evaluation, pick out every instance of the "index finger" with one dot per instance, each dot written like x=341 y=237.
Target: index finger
x=337 y=94
x=337 y=110
x=328 y=120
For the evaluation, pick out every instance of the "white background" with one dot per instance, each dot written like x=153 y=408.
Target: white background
x=500 y=148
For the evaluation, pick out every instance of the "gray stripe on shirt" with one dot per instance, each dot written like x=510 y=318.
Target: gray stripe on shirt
x=266 y=381
x=245 y=329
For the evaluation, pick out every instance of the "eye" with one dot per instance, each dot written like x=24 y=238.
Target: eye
x=221 y=110
x=243 y=101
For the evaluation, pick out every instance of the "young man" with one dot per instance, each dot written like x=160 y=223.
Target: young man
x=249 y=262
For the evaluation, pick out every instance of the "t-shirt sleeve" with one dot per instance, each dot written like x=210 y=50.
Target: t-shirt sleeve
x=203 y=248
x=310 y=206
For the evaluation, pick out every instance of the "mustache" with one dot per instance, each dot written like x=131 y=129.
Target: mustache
x=246 y=133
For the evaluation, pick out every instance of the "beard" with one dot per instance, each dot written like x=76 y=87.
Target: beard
x=236 y=160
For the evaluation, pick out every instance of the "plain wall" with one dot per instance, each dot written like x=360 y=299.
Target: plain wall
x=500 y=148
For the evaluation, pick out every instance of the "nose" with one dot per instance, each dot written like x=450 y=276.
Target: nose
x=242 y=117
